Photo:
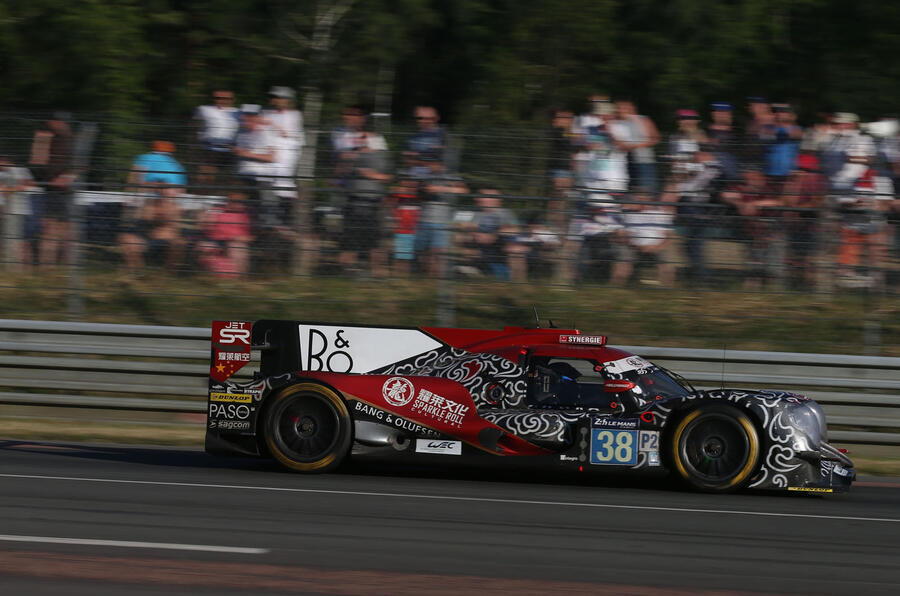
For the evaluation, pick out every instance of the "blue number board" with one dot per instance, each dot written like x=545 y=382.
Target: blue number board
x=611 y=445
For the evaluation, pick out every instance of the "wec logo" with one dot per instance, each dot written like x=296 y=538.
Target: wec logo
x=439 y=446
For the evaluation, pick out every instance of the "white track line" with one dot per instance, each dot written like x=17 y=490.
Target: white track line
x=130 y=544
x=453 y=498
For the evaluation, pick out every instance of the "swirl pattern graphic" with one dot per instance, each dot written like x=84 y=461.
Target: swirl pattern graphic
x=476 y=372
x=531 y=426
x=770 y=406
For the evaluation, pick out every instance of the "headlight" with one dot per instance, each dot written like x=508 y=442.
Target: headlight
x=810 y=419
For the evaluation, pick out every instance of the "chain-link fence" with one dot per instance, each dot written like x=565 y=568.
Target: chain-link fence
x=462 y=227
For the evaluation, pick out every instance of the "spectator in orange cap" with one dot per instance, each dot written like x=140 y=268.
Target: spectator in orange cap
x=158 y=168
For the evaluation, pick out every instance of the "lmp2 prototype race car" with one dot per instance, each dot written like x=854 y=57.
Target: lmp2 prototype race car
x=538 y=398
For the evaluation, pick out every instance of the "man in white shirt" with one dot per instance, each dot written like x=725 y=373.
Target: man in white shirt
x=286 y=126
x=218 y=125
x=649 y=234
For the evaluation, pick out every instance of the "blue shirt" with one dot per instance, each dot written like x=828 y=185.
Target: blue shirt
x=161 y=168
x=782 y=155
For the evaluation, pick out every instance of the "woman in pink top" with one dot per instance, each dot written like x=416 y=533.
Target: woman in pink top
x=226 y=250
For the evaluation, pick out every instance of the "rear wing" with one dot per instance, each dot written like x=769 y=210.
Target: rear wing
x=233 y=341
x=290 y=346
x=230 y=348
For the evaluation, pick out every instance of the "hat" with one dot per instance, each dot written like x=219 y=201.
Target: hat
x=687 y=114
x=781 y=107
x=845 y=118
x=250 y=108
x=757 y=99
x=808 y=162
x=163 y=146
x=721 y=106
x=282 y=92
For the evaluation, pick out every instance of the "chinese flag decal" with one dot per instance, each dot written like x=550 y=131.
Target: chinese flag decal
x=230 y=348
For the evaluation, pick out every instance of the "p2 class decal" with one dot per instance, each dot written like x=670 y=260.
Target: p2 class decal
x=349 y=349
x=230 y=348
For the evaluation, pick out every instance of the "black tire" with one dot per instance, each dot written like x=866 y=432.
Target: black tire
x=307 y=428
x=715 y=448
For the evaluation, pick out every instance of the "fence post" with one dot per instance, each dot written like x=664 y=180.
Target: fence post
x=10 y=233
x=446 y=298
x=75 y=293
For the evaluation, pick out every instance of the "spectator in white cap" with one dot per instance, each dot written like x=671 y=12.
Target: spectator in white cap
x=863 y=197
x=255 y=150
x=846 y=136
x=286 y=126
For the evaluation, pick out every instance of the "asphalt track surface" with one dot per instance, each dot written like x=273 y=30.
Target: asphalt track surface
x=81 y=519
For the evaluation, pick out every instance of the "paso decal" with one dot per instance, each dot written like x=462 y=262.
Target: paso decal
x=346 y=349
x=230 y=411
x=243 y=398
x=438 y=446
x=231 y=348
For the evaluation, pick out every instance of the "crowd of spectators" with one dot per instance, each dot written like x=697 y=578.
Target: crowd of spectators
x=623 y=202
x=793 y=198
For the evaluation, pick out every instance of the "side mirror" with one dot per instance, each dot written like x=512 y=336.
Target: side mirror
x=617 y=385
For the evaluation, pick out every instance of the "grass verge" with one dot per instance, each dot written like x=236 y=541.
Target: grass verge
x=689 y=317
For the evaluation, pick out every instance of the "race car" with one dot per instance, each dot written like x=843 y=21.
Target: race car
x=534 y=397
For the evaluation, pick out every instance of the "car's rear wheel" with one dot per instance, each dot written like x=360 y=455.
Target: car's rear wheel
x=715 y=448
x=307 y=428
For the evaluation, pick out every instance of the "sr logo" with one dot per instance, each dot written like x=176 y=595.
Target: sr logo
x=229 y=336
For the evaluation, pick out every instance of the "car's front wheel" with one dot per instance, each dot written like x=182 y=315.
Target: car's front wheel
x=307 y=428
x=715 y=448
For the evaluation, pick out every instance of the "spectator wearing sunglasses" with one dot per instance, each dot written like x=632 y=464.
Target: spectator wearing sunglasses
x=217 y=124
x=425 y=149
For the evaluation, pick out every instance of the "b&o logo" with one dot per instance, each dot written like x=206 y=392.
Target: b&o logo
x=398 y=391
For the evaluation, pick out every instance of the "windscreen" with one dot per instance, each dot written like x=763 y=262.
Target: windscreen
x=651 y=382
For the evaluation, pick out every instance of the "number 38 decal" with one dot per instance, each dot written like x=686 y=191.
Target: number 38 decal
x=614 y=447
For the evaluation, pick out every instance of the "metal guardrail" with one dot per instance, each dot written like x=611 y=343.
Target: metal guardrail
x=164 y=369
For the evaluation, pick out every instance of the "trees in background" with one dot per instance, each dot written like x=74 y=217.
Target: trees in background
x=479 y=61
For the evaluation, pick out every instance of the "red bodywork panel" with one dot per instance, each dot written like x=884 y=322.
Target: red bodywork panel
x=486 y=340
x=439 y=404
